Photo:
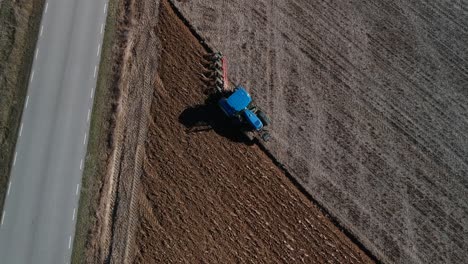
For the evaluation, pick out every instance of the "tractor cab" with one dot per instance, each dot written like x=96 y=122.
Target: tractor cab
x=237 y=105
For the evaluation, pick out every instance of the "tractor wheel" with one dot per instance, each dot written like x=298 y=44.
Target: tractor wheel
x=263 y=117
x=252 y=108
x=266 y=136
x=249 y=135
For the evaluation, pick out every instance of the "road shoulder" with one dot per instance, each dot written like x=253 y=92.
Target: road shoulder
x=99 y=144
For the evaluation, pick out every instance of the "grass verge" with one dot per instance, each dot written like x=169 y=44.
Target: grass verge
x=19 y=28
x=98 y=144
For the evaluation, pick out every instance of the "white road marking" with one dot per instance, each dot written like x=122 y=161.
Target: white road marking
x=21 y=129
x=74 y=210
x=77 y=188
x=95 y=70
x=81 y=164
x=89 y=114
x=105 y=8
x=3 y=217
x=91 y=94
x=14 y=160
x=37 y=51
x=42 y=29
x=32 y=76
x=69 y=242
x=84 y=140
x=98 y=50
x=102 y=28
x=9 y=186
x=27 y=101
x=46 y=7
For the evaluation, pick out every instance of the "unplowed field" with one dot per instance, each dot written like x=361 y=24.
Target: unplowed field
x=370 y=107
x=183 y=194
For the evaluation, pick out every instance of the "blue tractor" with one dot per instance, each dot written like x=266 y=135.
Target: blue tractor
x=239 y=107
x=236 y=104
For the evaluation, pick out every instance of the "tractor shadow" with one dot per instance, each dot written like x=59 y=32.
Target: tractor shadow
x=209 y=116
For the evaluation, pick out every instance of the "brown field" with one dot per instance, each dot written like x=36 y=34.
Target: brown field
x=369 y=101
x=179 y=194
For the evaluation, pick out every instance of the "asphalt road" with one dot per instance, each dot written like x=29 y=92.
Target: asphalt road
x=38 y=221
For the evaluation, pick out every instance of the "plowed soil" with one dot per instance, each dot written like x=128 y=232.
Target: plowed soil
x=208 y=199
x=183 y=194
x=370 y=107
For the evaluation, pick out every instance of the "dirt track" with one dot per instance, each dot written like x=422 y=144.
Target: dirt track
x=369 y=101
x=179 y=194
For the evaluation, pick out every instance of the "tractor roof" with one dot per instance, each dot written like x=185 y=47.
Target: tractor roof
x=240 y=99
